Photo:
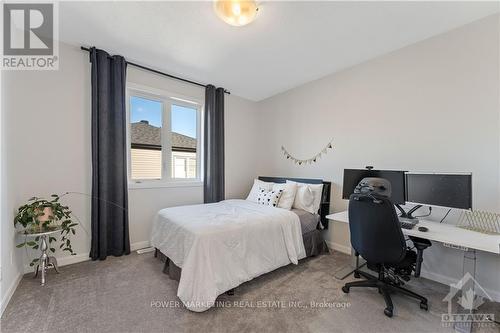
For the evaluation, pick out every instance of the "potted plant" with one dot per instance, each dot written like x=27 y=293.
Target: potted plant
x=39 y=215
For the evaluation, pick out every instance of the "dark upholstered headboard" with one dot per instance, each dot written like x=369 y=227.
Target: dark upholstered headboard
x=324 y=207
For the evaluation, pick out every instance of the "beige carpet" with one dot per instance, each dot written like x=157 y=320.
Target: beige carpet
x=125 y=294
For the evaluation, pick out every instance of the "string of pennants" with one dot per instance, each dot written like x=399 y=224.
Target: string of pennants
x=311 y=160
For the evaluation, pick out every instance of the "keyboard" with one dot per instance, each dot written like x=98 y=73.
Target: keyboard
x=406 y=225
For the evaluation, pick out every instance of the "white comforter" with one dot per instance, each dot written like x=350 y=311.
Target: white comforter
x=221 y=245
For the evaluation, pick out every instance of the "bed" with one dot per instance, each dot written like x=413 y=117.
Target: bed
x=213 y=248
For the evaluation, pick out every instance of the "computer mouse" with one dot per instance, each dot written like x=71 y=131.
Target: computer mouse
x=423 y=229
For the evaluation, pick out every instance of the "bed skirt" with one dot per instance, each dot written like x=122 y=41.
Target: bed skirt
x=313 y=243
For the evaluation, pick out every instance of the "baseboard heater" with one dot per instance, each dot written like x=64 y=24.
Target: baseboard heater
x=145 y=250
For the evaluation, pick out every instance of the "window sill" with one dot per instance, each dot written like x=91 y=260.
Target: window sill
x=153 y=184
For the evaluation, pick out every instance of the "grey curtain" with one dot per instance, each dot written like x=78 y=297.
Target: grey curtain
x=214 y=145
x=109 y=208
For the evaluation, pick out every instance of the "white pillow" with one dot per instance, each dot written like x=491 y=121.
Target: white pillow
x=303 y=197
x=288 y=195
x=269 y=198
x=257 y=186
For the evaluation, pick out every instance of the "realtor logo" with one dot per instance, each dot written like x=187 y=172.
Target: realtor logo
x=29 y=36
x=468 y=295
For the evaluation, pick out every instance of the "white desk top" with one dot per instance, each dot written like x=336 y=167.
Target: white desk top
x=444 y=233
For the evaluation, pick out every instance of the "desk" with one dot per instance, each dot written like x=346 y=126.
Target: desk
x=450 y=235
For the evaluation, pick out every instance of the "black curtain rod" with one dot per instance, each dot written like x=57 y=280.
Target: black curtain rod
x=161 y=73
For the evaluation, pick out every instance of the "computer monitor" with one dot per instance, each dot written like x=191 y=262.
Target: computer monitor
x=397 y=179
x=437 y=189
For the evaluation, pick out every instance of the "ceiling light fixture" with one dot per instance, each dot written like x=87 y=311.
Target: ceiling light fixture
x=236 y=12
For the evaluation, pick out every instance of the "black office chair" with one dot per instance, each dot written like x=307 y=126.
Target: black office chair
x=376 y=235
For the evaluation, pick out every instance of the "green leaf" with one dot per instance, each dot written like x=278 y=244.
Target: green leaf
x=31 y=243
x=20 y=245
x=52 y=249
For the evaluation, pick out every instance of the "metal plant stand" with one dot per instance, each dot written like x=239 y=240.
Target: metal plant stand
x=45 y=262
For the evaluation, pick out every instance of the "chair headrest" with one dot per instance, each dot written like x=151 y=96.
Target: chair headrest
x=374 y=187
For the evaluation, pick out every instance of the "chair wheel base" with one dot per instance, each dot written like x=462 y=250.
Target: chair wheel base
x=424 y=306
x=345 y=289
x=388 y=312
x=356 y=275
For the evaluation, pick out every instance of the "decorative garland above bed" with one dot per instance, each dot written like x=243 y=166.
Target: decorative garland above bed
x=311 y=160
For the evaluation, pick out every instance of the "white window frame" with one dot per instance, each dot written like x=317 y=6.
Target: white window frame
x=167 y=99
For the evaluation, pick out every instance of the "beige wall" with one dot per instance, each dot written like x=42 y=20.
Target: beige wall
x=242 y=147
x=432 y=106
x=46 y=149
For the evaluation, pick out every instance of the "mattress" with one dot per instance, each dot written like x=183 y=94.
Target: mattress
x=219 y=246
x=312 y=239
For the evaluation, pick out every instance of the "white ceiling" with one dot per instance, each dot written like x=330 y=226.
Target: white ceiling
x=289 y=43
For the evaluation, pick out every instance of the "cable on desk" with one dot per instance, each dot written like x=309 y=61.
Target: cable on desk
x=493 y=321
x=429 y=214
x=449 y=210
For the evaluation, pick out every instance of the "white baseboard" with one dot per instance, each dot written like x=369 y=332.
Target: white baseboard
x=495 y=294
x=9 y=293
x=446 y=280
x=437 y=277
x=139 y=245
x=69 y=260
x=63 y=261
x=339 y=247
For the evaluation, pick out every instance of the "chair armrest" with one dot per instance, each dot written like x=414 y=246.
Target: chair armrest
x=420 y=244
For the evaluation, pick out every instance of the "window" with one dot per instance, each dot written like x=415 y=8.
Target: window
x=146 y=144
x=184 y=141
x=164 y=136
